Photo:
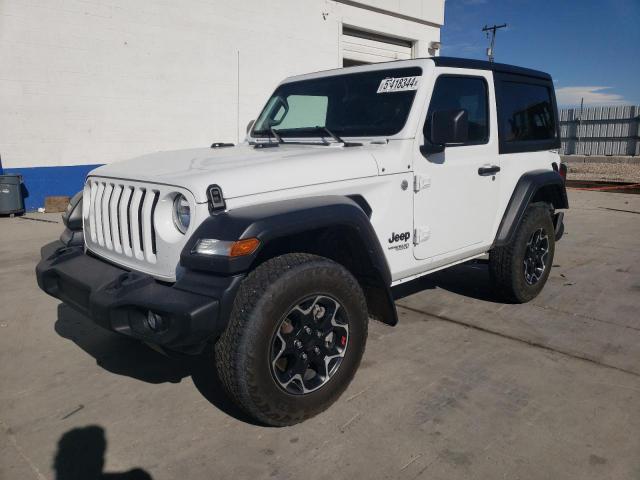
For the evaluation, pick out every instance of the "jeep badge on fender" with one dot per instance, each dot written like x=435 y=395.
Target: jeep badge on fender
x=182 y=251
x=403 y=237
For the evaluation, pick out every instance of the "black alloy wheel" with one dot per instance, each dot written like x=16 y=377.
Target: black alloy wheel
x=309 y=344
x=535 y=256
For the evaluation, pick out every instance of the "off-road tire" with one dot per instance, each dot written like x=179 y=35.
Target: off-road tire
x=506 y=263
x=243 y=352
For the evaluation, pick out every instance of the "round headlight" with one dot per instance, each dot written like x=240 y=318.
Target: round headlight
x=181 y=213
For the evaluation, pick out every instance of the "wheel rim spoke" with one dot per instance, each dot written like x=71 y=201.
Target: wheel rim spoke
x=535 y=258
x=329 y=359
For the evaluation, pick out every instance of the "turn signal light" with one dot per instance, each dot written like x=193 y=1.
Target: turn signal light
x=244 y=247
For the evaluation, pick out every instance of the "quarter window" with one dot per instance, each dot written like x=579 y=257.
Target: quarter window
x=527 y=112
x=468 y=93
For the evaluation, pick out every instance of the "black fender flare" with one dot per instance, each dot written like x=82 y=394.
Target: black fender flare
x=545 y=185
x=277 y=220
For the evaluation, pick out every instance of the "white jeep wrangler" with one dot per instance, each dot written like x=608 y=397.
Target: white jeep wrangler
x=279 y=250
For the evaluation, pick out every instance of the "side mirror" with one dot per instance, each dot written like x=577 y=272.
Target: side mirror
x=445 y=127
x=249 y=125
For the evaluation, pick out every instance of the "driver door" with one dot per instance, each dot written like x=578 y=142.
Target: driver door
x=456 y=190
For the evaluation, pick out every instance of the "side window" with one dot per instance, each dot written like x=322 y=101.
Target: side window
x=526 y=112
x=468 y=93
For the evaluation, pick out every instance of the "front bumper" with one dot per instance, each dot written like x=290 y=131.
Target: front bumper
x=189 y=313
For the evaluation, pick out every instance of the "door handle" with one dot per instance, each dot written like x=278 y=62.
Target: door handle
x=490 y=170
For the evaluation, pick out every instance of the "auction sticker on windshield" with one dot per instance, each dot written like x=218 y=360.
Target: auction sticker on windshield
x=401 y=84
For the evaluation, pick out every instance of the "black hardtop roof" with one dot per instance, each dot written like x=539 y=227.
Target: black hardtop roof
x=452 y=62
x=455 y=62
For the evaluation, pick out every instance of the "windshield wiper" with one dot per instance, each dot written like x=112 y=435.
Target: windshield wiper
x=276 y=134
x=337 y=138
x=272 y=133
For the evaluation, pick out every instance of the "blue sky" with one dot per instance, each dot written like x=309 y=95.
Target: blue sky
x=590 y=47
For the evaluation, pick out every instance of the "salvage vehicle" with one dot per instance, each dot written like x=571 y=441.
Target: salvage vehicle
x=279 y=250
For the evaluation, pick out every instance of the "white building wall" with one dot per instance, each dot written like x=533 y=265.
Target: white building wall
x=95 y=82
x=428 y=11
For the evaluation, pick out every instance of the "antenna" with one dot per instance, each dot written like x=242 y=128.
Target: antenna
x=486 y=29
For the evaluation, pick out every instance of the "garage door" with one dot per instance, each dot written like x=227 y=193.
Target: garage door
x=359 y=47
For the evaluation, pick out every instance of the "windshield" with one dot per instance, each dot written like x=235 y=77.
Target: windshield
x=356 y=104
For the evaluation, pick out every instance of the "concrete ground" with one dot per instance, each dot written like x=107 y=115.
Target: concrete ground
x=464 y=387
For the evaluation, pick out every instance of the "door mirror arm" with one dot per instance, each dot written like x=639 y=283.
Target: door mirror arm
x=430 y=148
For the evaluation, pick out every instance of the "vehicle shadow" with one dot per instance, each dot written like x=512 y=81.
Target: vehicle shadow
x=125 y=356
x=128 y=357
x=80 y=456
x=470 y=279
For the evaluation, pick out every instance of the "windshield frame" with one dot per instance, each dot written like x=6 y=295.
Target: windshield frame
x=260 y=136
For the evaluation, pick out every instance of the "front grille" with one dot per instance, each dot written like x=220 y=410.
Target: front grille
x=130 y=224
x=121 y=218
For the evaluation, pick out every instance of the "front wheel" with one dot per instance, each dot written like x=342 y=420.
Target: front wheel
x=295 y=338
x=519 y=270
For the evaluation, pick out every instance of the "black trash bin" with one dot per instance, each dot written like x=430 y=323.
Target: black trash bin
x=11 y=200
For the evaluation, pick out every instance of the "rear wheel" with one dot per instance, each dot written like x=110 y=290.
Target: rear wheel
x=519 y=270
x=295 y=338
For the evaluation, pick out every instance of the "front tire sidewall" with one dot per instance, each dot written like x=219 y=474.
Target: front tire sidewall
x=318 y=278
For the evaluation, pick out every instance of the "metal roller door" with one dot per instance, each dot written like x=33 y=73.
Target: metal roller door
x=359 y=47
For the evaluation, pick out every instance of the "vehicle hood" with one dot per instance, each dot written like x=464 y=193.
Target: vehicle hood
x=246 y=170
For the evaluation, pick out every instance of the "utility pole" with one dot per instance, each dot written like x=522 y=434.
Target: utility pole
x=486 y=29
x=238 y=102
x=577 y=152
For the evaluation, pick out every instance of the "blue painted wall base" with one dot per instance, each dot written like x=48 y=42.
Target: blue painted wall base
x=41 y=182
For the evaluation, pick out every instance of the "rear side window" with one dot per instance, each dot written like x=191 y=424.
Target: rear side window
x=526 y=114
x=468 y=93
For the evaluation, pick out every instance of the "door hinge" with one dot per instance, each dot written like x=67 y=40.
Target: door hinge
x=420 y=182
x=421 y=234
